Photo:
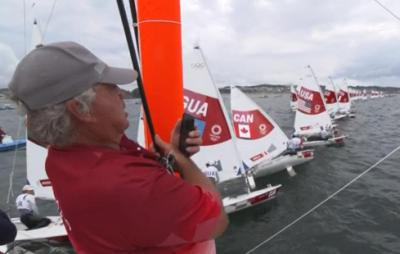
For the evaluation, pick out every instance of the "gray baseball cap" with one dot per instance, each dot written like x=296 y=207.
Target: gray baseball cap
x=60 y=71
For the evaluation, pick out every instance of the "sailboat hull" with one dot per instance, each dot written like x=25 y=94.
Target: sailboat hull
x=237 y=203
x=55 y=230
x=282 y=162
x=328 y=142
x=340 y=116
x=17 y=143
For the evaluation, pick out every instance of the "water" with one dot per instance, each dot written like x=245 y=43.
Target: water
x=364 y=218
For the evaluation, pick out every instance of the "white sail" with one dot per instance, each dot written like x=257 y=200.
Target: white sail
x=344 y=99
x=259 y=137
x=141 y=140
x=35 y=154
x=203 y=101
x=37 y=38
x=36 y=173
x=332 y=105
x=364 y=94
x=311 y=112
x=293 y=98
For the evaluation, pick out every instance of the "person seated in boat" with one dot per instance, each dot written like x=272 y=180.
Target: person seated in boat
x=114 y=195
x=29 y=213
x=294 y=145
x=8 y=231
x=325 y=135
x=212 y=171
x=322 y=135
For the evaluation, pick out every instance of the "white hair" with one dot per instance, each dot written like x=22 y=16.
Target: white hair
x=52 y=125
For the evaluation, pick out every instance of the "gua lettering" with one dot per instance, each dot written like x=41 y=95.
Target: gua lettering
x=195 y=107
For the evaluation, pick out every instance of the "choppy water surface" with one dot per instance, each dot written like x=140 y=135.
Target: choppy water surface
x=364 y=218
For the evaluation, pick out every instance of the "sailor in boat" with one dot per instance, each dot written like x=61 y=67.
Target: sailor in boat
x=29 y=213
x=114 y=195
x=294 y=145
x=323 y=134
x=8 y=231
x=212 y=171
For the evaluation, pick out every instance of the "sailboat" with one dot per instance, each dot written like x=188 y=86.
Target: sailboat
x=9 y=144
x=203 y=101
x=260 y=141
x=364 y=95
x=344 y=100
x=218 y=152
x=331 y=100
x=312 y=117
x=37 y=178
x=293 y=98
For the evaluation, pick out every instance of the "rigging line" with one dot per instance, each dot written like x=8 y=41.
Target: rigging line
x=24 y=4
x=48 y=20
x=135 y=62
x=132 y=5
x=322 y=202
x=11 y=177
x=388 y=10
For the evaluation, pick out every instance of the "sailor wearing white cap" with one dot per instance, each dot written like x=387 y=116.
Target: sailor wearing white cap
x=28 y=210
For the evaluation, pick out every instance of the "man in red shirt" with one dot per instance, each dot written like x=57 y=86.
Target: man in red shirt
x=114 y=196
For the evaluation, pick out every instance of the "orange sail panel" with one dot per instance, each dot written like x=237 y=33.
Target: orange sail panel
x=161 y=62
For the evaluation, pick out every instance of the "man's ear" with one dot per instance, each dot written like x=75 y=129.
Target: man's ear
x=74 y=109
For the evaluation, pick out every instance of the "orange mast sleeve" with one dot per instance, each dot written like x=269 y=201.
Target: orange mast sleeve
x=161 y=62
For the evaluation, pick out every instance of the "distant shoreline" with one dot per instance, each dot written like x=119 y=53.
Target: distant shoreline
x=262 y=88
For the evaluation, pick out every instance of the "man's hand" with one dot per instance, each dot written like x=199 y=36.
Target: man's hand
x=193 y=141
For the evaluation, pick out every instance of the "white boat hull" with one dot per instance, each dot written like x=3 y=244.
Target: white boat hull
x=283 y=162
x=240 y=202
x=328 y=142
x=345 y=115
x=339 y=116
x=55 y=229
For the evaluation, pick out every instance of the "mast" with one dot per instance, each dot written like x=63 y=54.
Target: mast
x=132 y=5
x=35 y=153
x=135 y=63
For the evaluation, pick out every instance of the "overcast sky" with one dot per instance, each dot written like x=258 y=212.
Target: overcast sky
x=246 y=42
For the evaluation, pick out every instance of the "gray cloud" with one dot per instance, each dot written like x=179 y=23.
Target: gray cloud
x=8 y=61
x=246 y=42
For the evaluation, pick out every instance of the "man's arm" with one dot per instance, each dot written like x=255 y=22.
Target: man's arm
x=8 y=231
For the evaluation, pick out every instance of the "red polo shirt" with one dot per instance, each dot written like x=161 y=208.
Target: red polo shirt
x=125 y=202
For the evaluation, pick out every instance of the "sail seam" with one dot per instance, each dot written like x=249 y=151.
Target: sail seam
x=158 y=21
